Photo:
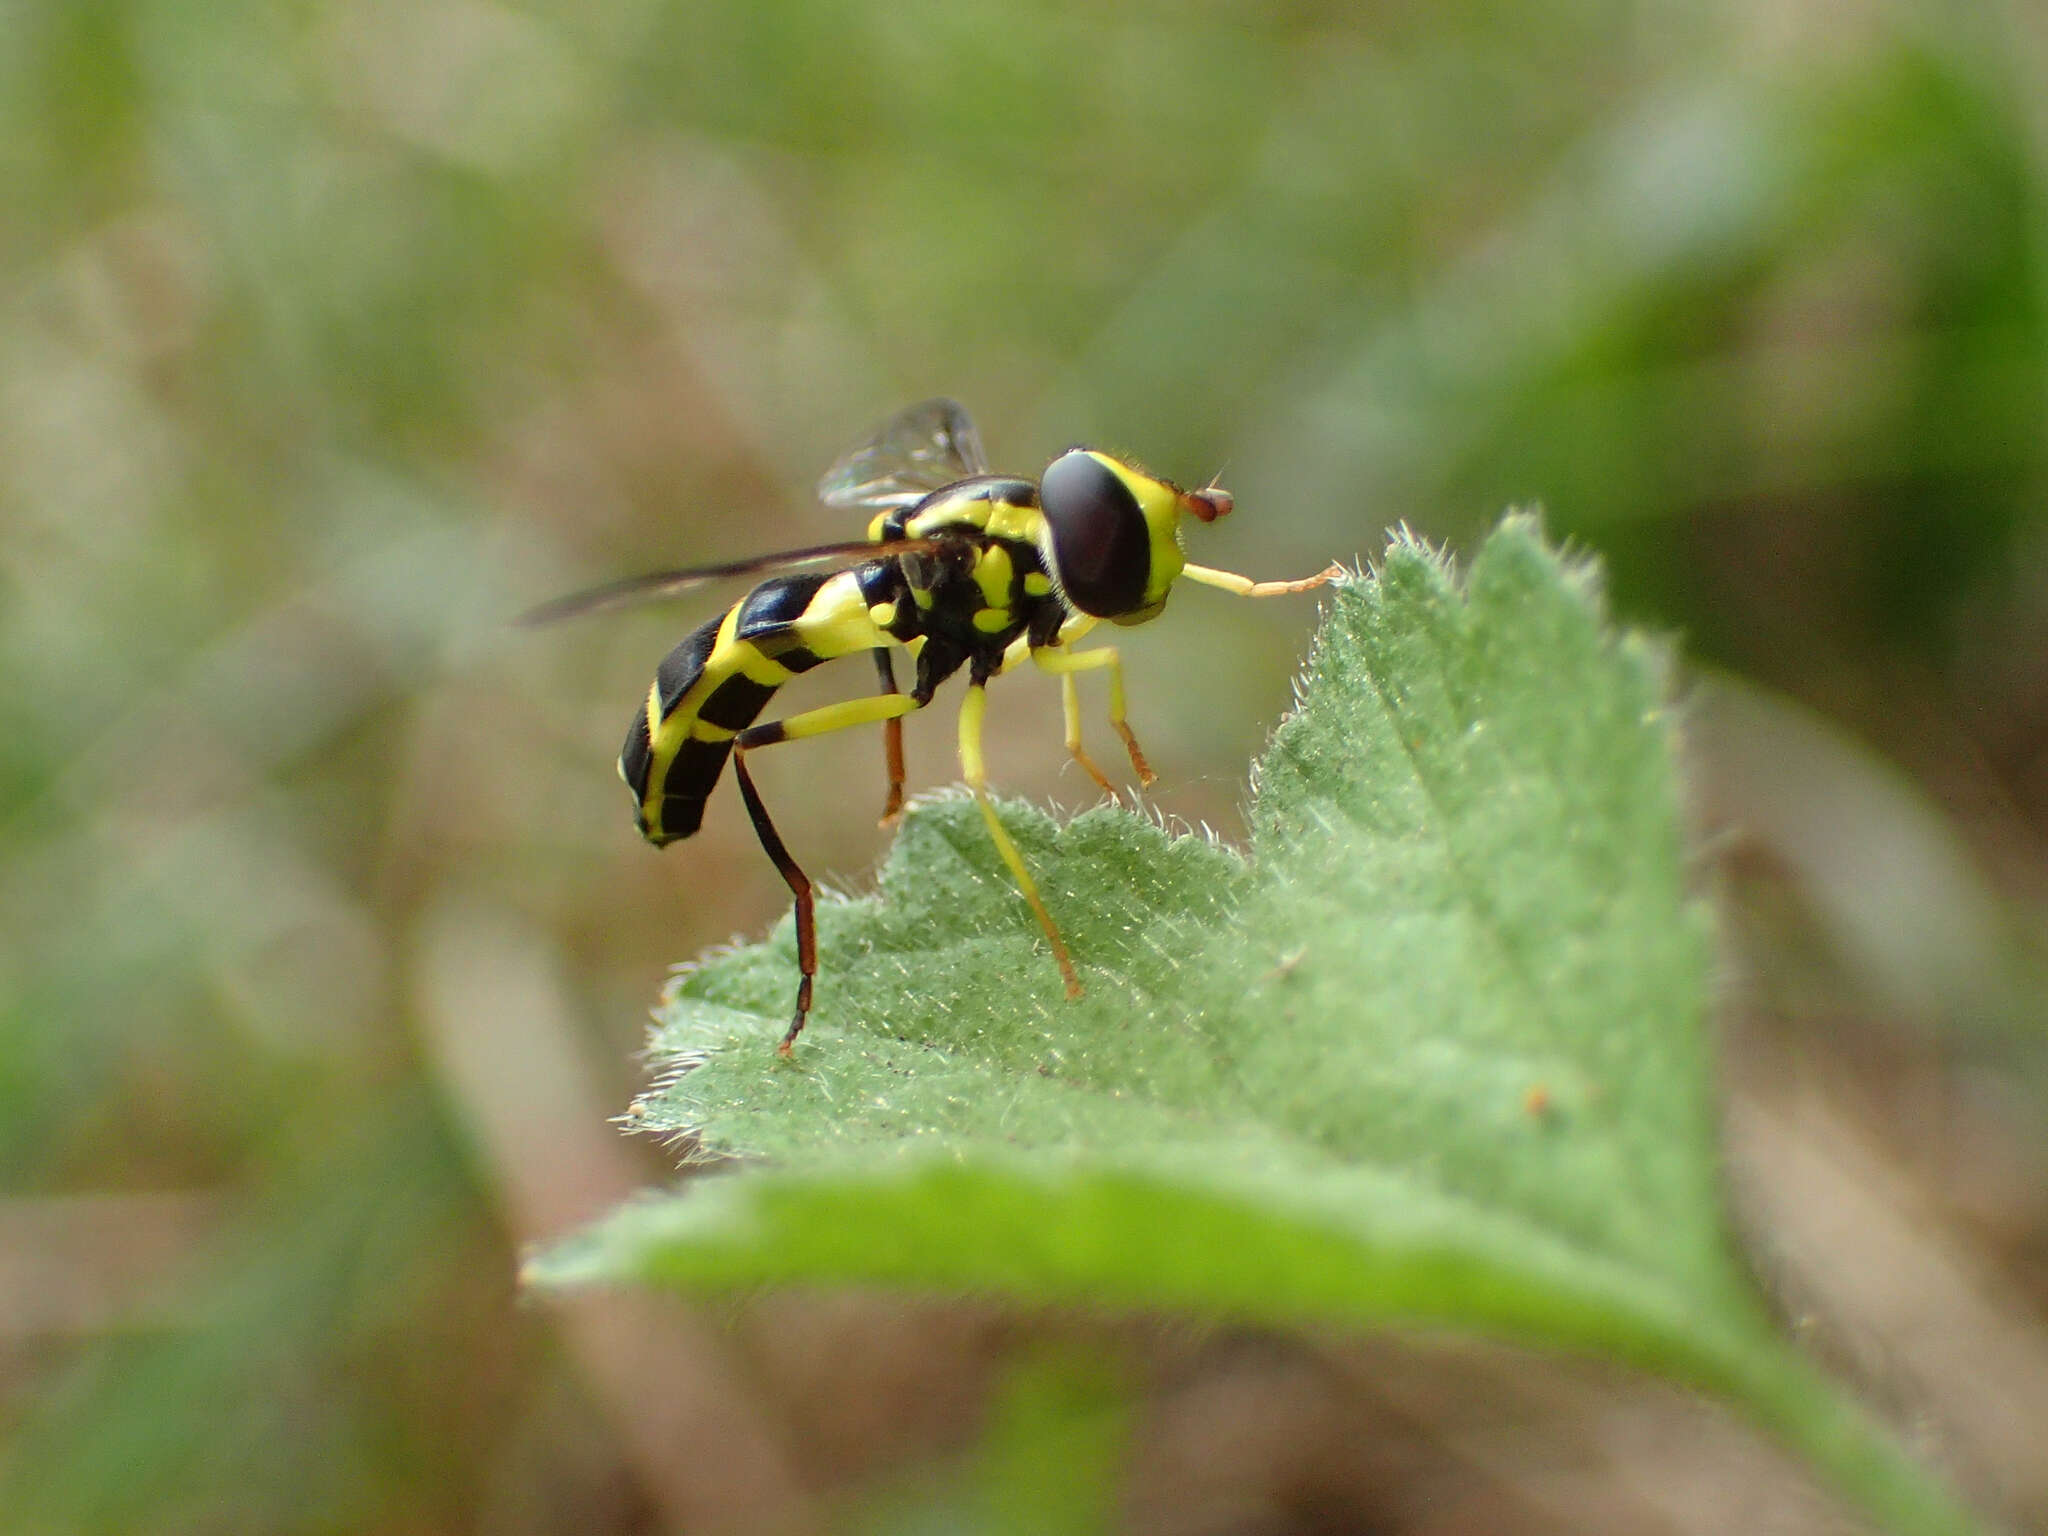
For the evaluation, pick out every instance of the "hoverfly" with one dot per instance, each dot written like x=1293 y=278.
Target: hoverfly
x=960 y=568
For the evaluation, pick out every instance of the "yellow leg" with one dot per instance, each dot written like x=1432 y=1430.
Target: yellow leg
x=1065 y=664
x=829 y=717
x=1070 y=701
x=972 y=708
x=1244 y=586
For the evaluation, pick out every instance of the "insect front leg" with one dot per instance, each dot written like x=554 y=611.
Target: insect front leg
x=1244 y=586
x=813 y=722
x=1065 y=664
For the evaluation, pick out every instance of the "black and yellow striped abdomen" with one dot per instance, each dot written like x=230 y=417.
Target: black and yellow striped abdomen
x=716 y=683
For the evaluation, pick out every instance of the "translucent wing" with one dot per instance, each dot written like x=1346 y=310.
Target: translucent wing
x=912 y=454
x=656 y=585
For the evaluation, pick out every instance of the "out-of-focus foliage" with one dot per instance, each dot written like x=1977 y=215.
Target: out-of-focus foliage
x=333 y=332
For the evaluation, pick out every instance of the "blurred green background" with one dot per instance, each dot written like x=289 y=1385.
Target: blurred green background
x=334 y=332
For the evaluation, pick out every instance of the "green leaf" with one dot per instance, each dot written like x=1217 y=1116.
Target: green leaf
x=1434 y=1054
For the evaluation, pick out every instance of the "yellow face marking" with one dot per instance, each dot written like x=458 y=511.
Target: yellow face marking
x=1037 y=583
x=992 y=620
x=1160 y=505
x=1167 y=559
x=884 y=614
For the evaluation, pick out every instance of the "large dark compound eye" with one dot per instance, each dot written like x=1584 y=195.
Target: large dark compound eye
x=1101 y=546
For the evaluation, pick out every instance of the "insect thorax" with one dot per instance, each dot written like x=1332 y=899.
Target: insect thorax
x=986 y=583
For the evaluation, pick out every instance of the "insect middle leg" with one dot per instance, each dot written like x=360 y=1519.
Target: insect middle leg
x=892 y=738
x=889 y=707
x=1065 y=664
x=972 y=768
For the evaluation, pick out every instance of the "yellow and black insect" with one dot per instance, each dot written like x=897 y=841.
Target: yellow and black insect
x=961 y=568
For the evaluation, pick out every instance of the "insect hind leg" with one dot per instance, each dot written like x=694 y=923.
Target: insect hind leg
x=890 y=707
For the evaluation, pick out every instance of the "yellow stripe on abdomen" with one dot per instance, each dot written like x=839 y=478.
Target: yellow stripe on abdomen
x=837 y=621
